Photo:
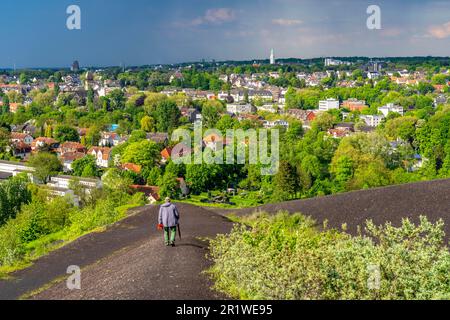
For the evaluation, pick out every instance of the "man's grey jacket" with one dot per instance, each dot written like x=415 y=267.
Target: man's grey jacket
x=168 y=215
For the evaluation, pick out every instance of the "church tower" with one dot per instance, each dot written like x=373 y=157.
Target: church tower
x=272 y=57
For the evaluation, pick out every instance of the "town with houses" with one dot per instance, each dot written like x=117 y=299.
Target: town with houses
x=246 y=96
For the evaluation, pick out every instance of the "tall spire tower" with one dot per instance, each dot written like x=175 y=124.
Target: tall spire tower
x=272 y=57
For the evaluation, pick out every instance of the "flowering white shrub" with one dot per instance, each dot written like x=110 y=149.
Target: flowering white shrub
x=287 y=257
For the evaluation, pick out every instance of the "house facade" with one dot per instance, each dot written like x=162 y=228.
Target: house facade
x=102 y=156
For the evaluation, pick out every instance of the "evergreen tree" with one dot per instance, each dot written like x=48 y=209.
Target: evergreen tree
x=284 y=182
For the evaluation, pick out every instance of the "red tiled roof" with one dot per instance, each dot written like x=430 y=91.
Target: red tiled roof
x=22 y=146
x=72 y=156
x=165 y=154
x=132 y=167
x=18 y=135
x=147 y=190
x=338 y=133
x=46 y=140
x=72 y=145
x=311 y=116
x=13 y=106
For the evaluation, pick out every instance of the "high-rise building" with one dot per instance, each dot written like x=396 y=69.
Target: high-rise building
x=272 y=57
x=75 y=66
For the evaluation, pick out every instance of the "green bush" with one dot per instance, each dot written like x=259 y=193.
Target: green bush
x=13 y=194
x=106 y=211
x=43 y=223
x=11 y=246
x=286 y=257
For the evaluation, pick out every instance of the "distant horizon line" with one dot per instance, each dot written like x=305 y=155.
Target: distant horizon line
x=218 y=61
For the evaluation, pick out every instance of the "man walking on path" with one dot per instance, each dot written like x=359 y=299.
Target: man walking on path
x=168 y=219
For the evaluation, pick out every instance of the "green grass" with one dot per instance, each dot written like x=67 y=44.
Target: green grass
x=238 y=200
x=51 y=242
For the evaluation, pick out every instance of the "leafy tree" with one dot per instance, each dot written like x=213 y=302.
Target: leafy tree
x=324 y=121
x=375 y=174
x=167 y=116
x=425 y=87
x=440 y=79
x=136 y=100
x=45 y=164
x=13 y=194
x=137 y=135
x=434 y=138
x=253 y=179
x=23 y=78
x=226 y=122
x=295 y=131
x=148 y=124
x=402 y=127
x=169 y=185
x=48 y=131
x=85 y=167
x=204 y=177
x=93 y=136
x=43 y=100
x=175 y=169
x=5 y=136
x=144 y=153
x=210 y=115
x=5 y=105
x=116 y=185
x=152 y=101
x=153 y=176
x=343 y=171
x=116 y=99
x=64 y=133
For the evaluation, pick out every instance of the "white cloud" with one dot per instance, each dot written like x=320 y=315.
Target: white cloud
x=392 y=32
x=440 y=31
x=214 y=16
x=286 y=22
x=220 y=15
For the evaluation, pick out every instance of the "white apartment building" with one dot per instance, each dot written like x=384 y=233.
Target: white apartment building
x=390 y=107
x=334 y=62
x=239 y=108
x=64 y=182
x=329 y=104
x=276 y=123
x=372 y=120
x=373 y=75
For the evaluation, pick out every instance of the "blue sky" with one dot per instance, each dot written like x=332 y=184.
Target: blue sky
x=137 y=32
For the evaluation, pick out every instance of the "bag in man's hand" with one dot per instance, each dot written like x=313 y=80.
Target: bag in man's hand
x=160 y=226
